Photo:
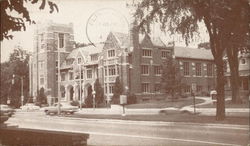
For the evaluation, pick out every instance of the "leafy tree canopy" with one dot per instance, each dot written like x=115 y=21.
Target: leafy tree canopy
x=11 y=23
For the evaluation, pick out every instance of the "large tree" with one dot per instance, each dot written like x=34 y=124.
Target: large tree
x=99 y=96
x=10 y=23
x=11 y=86
x=171 y=79
x=118 y=89
x=184 y=16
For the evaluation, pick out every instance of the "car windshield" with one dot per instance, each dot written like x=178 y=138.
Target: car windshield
x=4 y=106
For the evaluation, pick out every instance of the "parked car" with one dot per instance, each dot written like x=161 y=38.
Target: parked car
x=6 y=110
x=64 y=107
x=30 y=107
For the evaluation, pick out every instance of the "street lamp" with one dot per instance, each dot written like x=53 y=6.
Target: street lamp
x=93 y=93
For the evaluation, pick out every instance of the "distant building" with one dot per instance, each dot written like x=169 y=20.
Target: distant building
x=137 y=65
x=244 y=73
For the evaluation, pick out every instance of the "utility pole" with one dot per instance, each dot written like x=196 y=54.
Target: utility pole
x=22 y=97
x=80 y=87
x=58 y=81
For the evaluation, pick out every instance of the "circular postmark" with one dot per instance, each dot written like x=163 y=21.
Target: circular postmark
x=102 y=22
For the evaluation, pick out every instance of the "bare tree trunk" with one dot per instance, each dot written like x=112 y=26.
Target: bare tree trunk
x=234 y=70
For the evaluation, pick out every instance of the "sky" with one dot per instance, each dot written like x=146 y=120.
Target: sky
x=96 y=17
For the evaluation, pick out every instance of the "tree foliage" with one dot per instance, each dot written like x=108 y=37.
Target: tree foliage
x=225 y=20
x=171 y=79
x=41 y=98
x=118 y=89
x=11 y=87
x=10 y=23
x=99 y=97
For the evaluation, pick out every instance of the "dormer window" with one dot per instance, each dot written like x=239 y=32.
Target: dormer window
x=165 y=54
x=111 y=53
x=79 y=60
x=93 y=57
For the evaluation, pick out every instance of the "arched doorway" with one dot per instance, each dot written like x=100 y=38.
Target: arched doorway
x=70 y=92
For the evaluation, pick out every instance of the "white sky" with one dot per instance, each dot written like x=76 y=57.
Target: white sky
x=110 y=15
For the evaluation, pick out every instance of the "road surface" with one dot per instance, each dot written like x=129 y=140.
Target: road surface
x=118 y=132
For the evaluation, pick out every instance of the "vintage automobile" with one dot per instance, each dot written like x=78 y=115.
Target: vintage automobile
x=65 y=108
x=30 y=107
x=6 y=110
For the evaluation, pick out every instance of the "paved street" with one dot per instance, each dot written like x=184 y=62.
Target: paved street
x=118 y=132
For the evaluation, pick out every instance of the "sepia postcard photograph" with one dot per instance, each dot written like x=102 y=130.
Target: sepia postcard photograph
x=125 y=72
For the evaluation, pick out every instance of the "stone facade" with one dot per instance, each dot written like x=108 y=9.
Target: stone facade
x=43 y=62
x=135 y=59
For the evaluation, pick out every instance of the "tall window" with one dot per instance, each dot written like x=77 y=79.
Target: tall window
x=79 y=60
x=41 y=80
x=157 y=70
x=164 y=54
x=111 y=88
x=93 y=57
x=61 y=40
x=209 y=69
x=56 y=64
x=157 y=88
x=186 y=68
x=112 y=71
x=199 y=88
x=245 y=84
x=41 y=65
x=187 y=89
x=198 y=69
x=63 y=76
x=145 y=87
x=71 y=75
x=89 y=74
x=111 y=53
x=144 y=70
x=146 y=53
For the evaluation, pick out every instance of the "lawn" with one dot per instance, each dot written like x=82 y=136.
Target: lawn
x=181 y=117
x=228 y=104
x=177 y=103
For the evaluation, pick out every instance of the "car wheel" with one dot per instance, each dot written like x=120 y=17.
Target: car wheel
x=47 y=112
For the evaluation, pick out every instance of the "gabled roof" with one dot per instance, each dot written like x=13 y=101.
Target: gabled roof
x=192 y=53
x=122 y=38
x=86 y=50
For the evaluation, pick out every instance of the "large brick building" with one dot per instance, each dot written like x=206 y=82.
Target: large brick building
x=138 y=65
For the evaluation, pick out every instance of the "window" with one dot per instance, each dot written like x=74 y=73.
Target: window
x=187 y=89
x=61 y=40
x=111 y=53
x=89 y=74
x=105 y=71
x=41 y=64
x=209 y=69
x=144 y=70
x=245 y=84
x=165 y=54
x=106 y=88
x=145 y=87
x=199 y=88
x=93 y=57
x=157 y=88
x=41 y=80
x=198 y=69
x=157 y=70
x=56 y=64
x=186 y=68
x=111 y=88
x=243 y=61
x=79 y=60
x=112 y=71
x=146 y=53
x=71 y=75
x=63 y=76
